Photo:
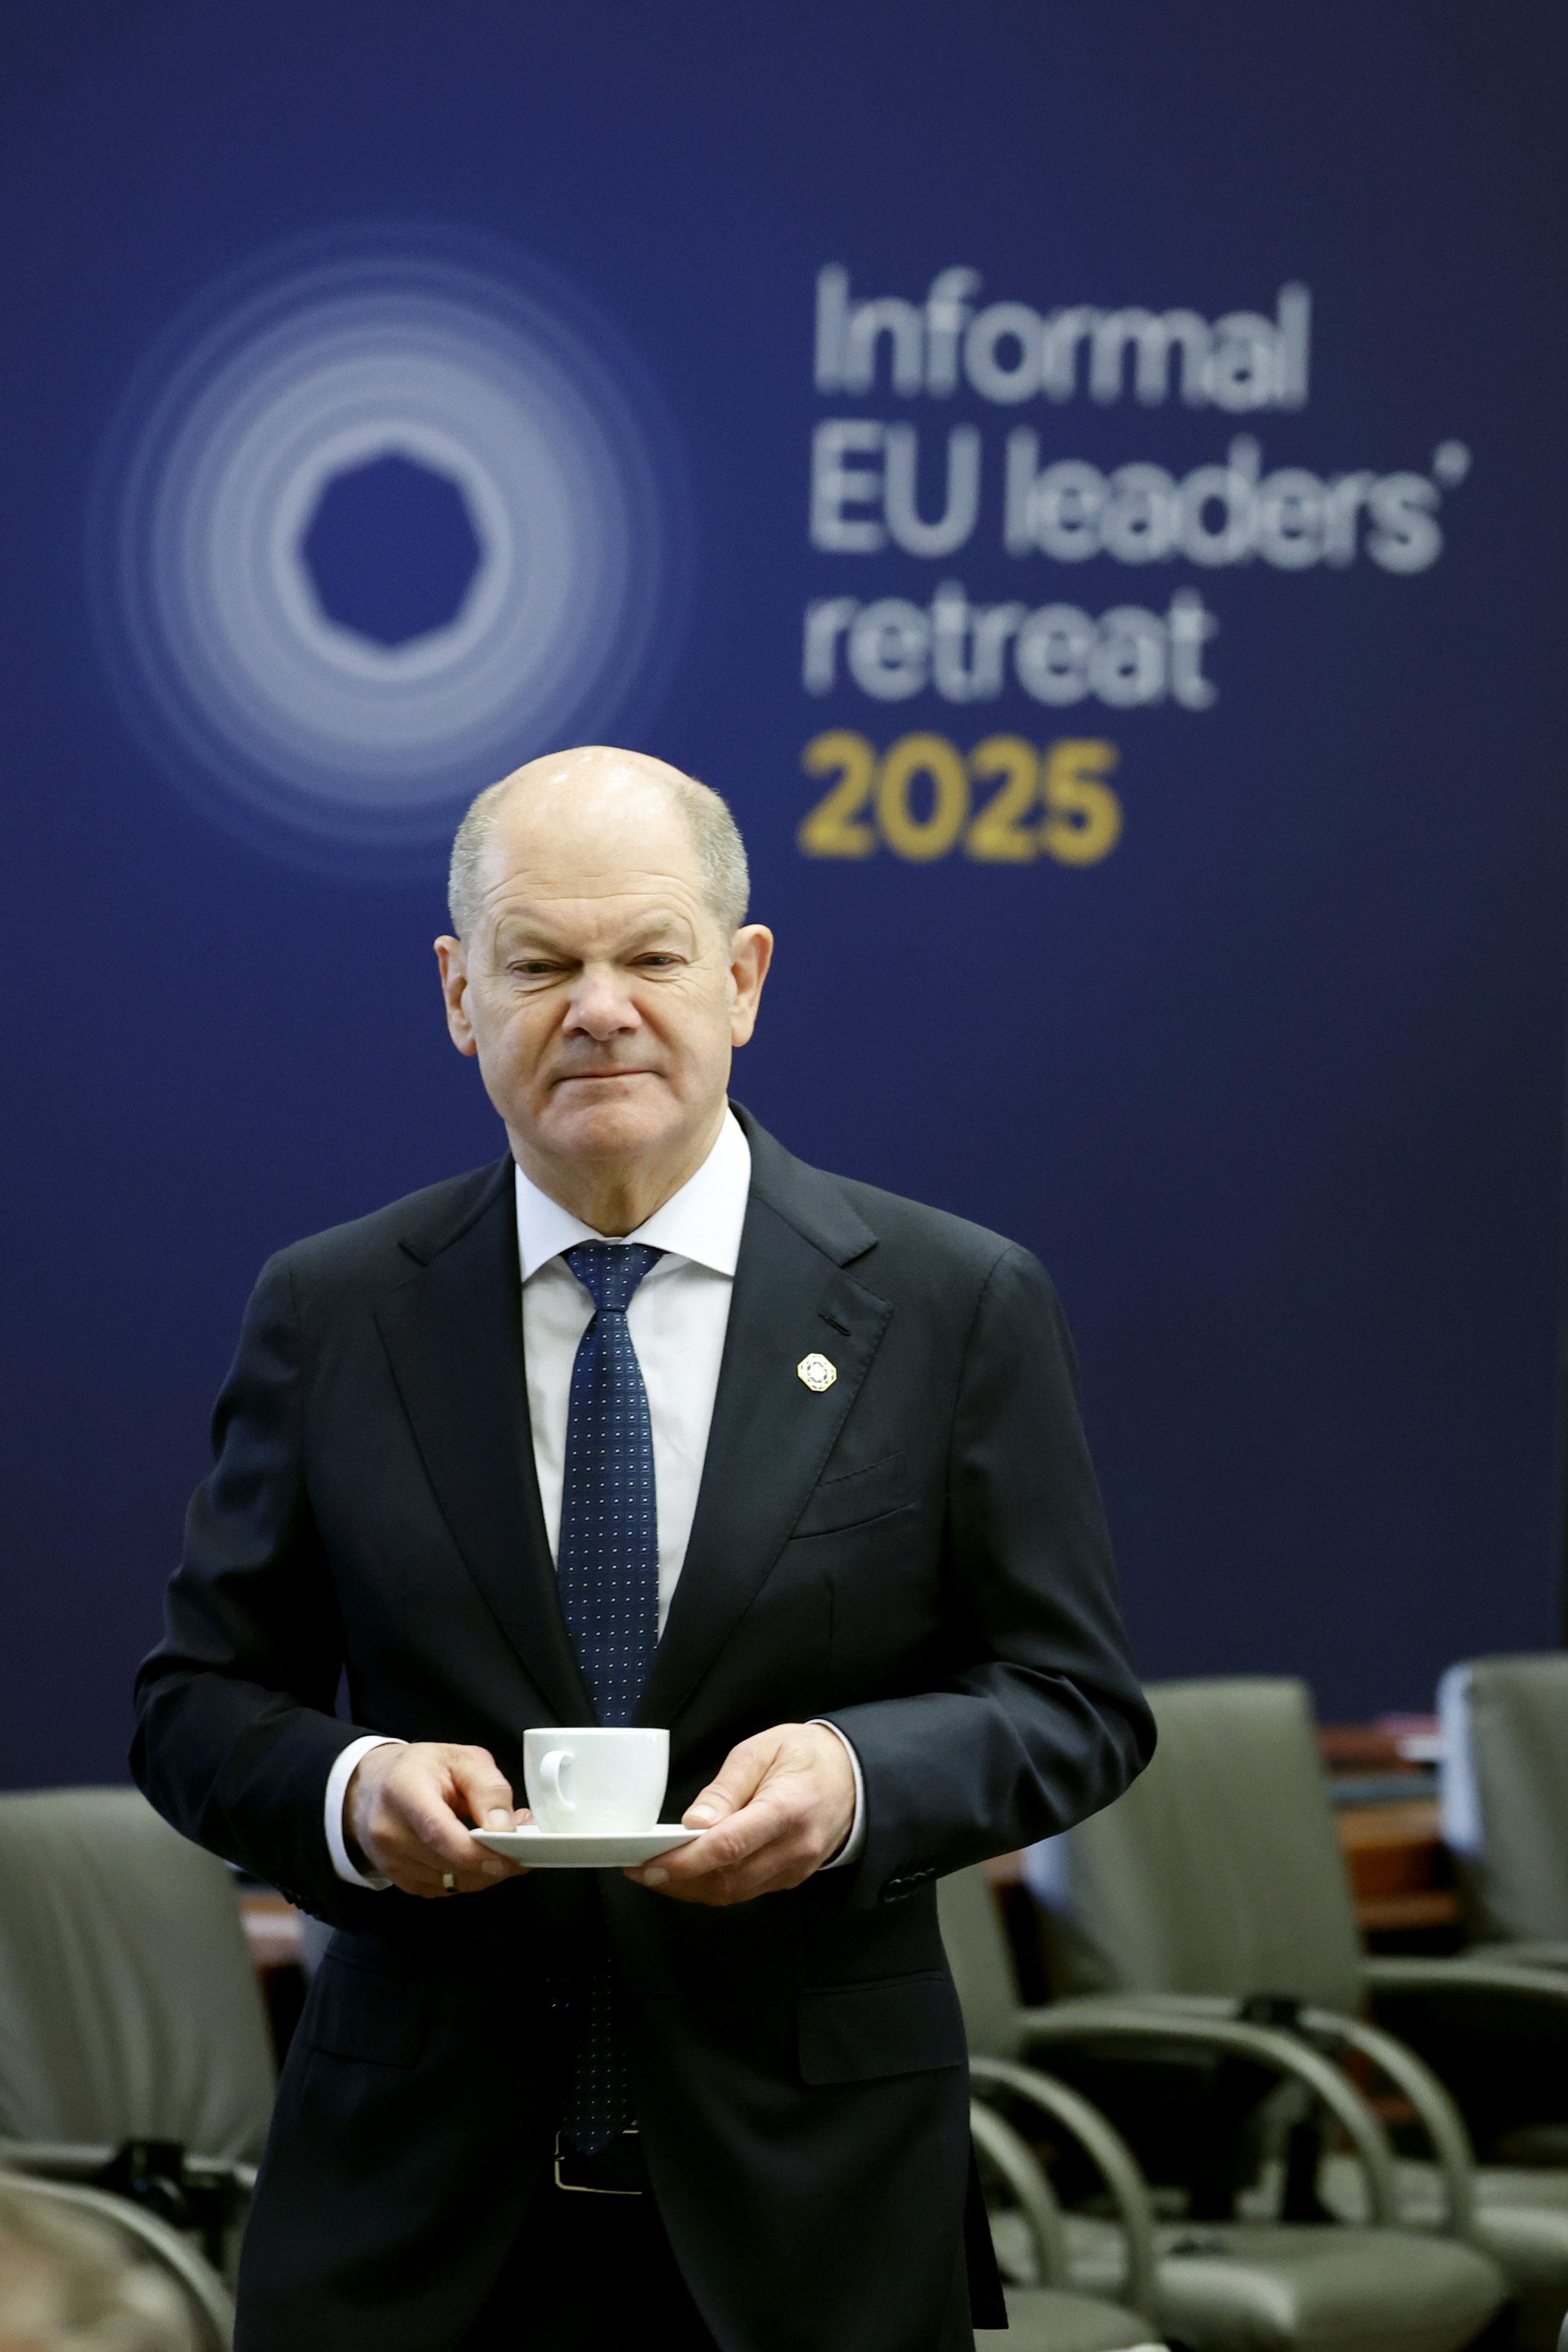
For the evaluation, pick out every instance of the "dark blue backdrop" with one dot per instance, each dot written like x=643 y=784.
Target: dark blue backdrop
x=1274 y=1087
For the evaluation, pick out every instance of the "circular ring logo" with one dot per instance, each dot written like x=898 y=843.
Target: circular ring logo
x=373 y=524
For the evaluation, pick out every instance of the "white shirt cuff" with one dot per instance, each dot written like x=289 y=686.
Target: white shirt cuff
x=338 y=1781
x=855 y=1844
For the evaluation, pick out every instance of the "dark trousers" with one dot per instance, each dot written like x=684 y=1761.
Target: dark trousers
x=589 y=2275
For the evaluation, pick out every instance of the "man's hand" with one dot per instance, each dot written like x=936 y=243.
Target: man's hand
x=782 y=1805
x=407 y=1809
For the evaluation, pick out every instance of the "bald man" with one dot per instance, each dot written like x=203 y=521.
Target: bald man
x=828 y=1442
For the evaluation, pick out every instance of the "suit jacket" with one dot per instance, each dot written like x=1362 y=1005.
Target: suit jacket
x=917 y=1552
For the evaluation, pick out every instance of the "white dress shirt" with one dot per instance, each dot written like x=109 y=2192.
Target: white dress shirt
x=678 y=1318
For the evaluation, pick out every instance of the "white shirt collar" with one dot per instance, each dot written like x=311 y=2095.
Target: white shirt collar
x=702 y=1222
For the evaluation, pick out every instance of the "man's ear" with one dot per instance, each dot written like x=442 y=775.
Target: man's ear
x=750 y=953
x=451 y=956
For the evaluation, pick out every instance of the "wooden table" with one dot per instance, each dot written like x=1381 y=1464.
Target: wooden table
x=272 y=1927
x=1399 y=1867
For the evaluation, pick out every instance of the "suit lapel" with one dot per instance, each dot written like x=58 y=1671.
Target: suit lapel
x=770 y=1435
x=453 y=1335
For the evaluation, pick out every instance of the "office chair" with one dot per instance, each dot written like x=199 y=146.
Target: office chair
x=1504 y=1787
x=1233 y=2286
x=131 y=2027
x=1218 y=1879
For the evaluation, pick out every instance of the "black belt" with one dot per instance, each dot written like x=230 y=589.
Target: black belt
x=618 y=2169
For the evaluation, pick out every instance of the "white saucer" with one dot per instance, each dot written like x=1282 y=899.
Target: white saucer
x=540 y=1849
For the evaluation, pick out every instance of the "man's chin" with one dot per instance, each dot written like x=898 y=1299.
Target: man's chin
x=629 y=1113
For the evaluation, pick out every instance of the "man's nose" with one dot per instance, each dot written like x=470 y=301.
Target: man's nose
x=600 y=1006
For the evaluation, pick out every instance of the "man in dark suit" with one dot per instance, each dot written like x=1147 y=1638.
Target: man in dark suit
x=828 y=1443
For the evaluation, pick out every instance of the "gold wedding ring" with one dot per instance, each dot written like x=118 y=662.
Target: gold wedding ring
x=449 y=1882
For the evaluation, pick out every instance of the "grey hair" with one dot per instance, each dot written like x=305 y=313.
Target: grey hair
x=716 y=836
x=68 y=2282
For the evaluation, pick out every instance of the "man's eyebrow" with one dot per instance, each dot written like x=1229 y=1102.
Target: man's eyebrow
x=655 y=927
x=519 y=930
x=526 y=930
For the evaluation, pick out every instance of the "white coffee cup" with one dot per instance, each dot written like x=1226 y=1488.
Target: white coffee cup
x=596 y=1779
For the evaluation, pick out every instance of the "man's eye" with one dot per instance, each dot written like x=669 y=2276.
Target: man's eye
x=658 y=962
x=532 y=970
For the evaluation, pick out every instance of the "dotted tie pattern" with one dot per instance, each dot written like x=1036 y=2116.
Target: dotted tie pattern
x=608 y=1555
x=608 y=1563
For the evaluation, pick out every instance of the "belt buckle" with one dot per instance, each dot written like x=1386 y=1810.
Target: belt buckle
x=587 y=2188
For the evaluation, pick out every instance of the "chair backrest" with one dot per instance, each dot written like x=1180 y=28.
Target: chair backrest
x=1505 y=1794
x=1220 y=1871
x=129 y=2007
x=977 y=1945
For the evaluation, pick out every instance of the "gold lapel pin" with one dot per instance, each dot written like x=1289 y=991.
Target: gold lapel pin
x=817 y=1372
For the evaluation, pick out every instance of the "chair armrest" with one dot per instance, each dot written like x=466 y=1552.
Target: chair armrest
x=1015 y=2161
x=221 y=2191
x=1109 y=2153
x=1462 y=1975
x=1519 y=1955
x=1439 y=2118
x=55 y=2159
x=201 y=2282
x=1099 y=2017
x=83 y=2160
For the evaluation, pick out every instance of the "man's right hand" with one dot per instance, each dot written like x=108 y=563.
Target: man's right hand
x=408 y=1810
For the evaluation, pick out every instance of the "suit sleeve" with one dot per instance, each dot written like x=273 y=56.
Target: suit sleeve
x=1042 y=1721
x=236 y=1730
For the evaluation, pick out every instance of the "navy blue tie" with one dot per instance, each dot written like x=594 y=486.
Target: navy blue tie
x=608 y=1553
x=607 y=1558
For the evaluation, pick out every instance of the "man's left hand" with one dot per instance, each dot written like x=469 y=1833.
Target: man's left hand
x=782 y=1804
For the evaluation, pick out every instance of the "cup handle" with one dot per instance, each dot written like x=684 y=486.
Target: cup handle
x=550 y=1770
